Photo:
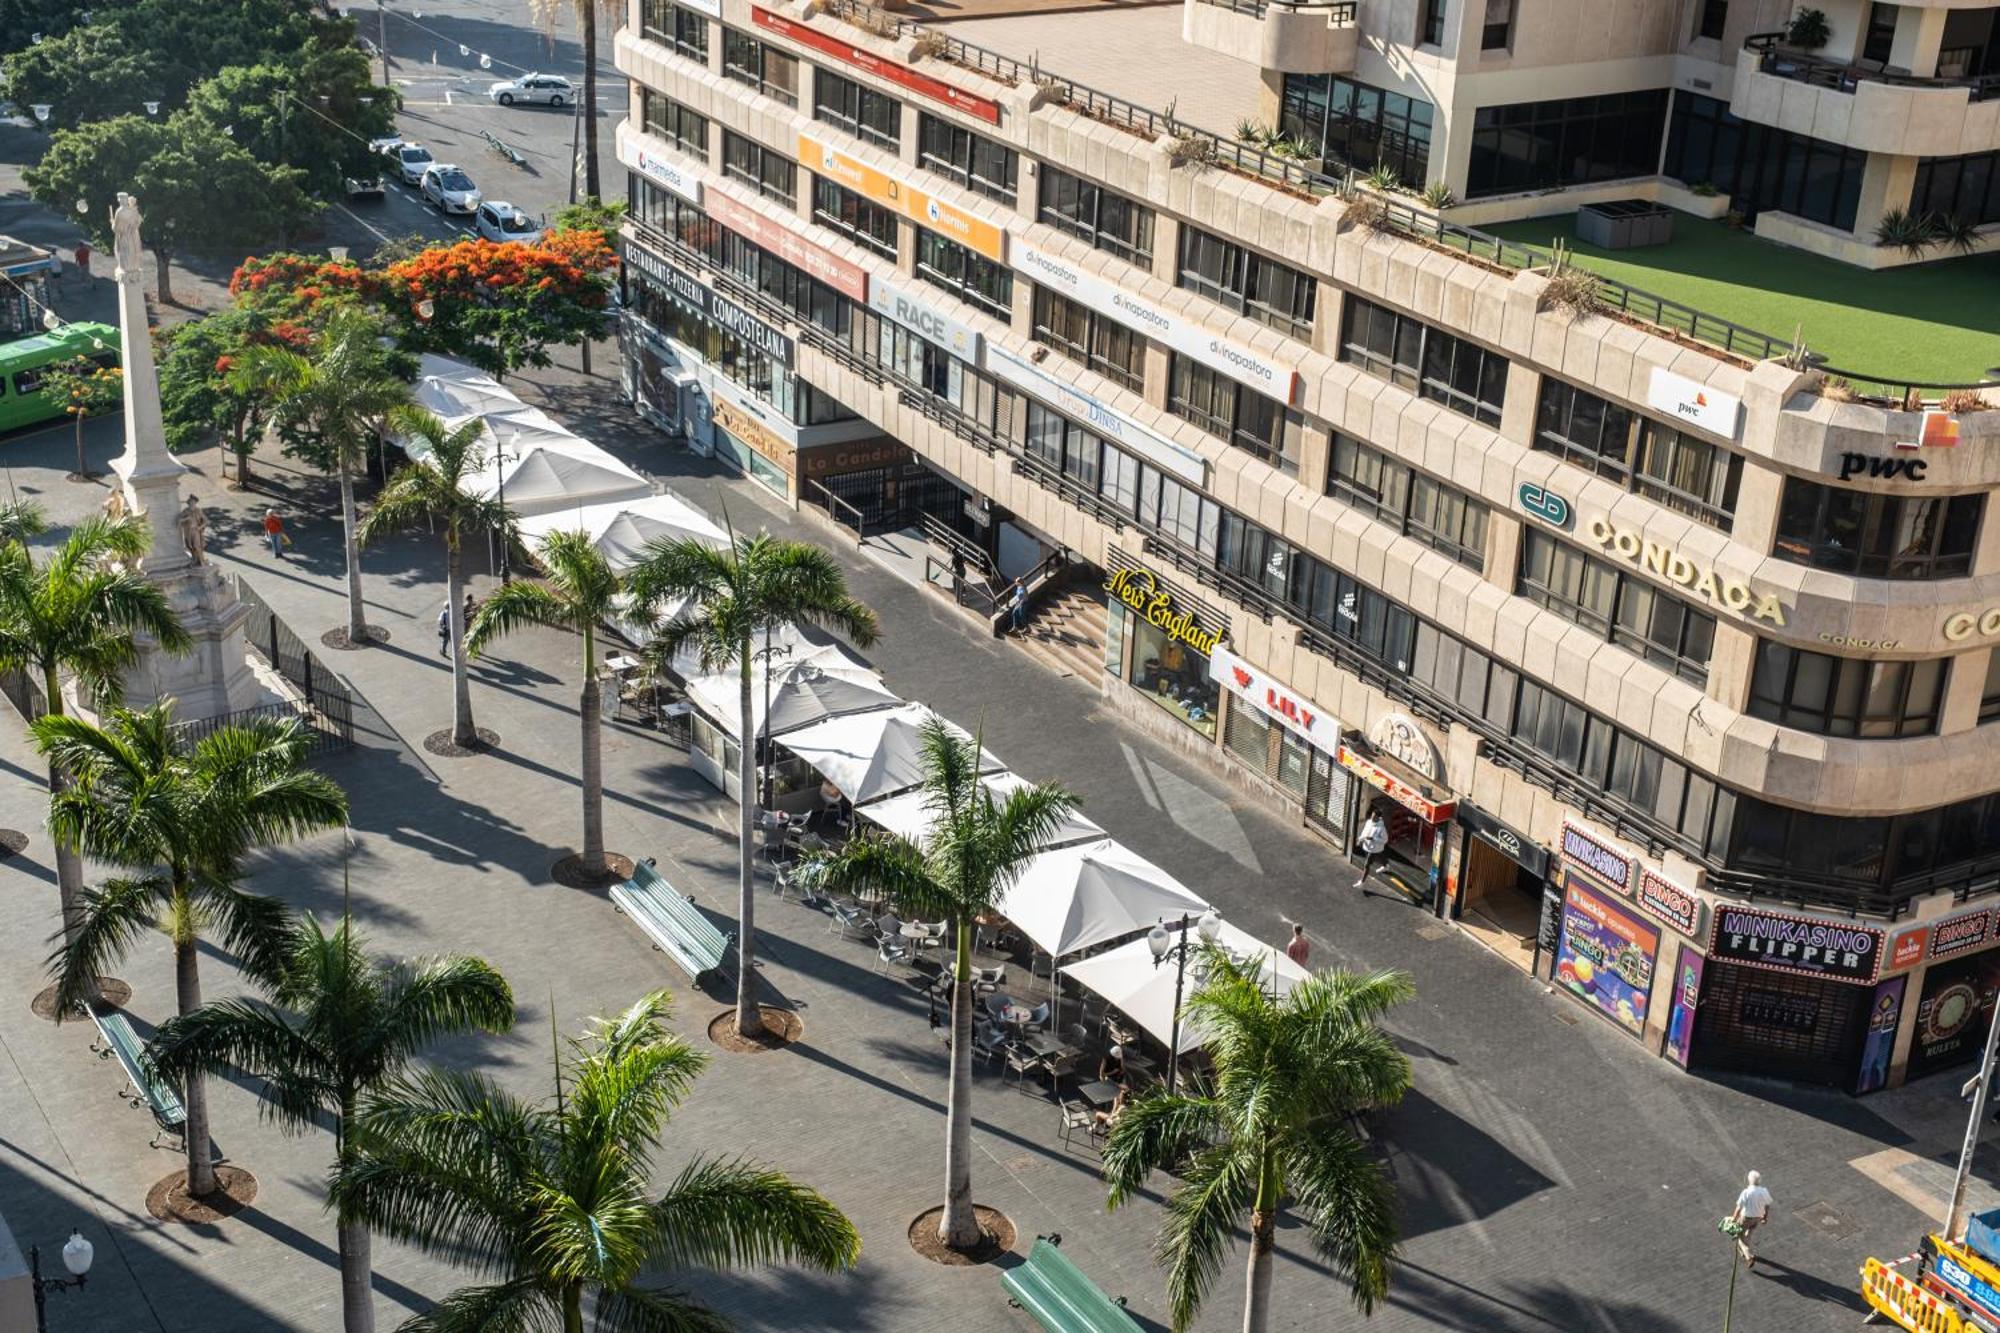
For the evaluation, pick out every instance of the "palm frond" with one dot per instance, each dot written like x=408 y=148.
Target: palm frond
x=733 y=1214
x=673 y=568
x=256 y=928
x=1154 y=1133
x=1219 y=1185
x=653 y=1310
x=514 y=606
x=440 y=997
x=1349 y=1205
x=894 y=867
x=523 y=1305
x=247 y=1036
x=115 y=915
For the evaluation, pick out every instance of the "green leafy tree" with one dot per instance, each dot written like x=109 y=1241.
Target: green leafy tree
x=342 y=392
x=734 y=595
x=338 y=1025
x=548 y=13
x=594 y=215
x=92 y=72
x=76 y=613
x=199 y=399
x=184 y=815
x=20 y=20
x=315 y=113
x=555 y=1201
x=84 y=389
x=580 y=592
x=1268 y=1128
x=429 y=493
x=973 y=855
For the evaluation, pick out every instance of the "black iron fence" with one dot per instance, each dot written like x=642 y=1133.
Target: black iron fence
x=327 y=705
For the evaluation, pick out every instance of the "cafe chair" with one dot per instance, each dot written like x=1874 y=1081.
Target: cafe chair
x=1075 y=1116
x=989 y=1042
x=986 y=980
x=889 y=950
x=1022 y=1062
x=1038 y=1018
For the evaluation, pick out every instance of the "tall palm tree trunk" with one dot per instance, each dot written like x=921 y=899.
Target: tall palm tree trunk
x=588 y=13
x=1263 y=1240
x=462 y=730
x=572 y=1300
x=187 y=987
x=592 y=710
x=69 y=866
x=357 y=1278
x=163 y=268
x=749 y=1022
x=357 y=624
x=959 y=1227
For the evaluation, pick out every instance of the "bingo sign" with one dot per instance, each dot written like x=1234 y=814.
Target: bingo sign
x=1961 y=933
x=1604 y=863
x=1836 y=950
x=1606 y=956
x=1669 y=902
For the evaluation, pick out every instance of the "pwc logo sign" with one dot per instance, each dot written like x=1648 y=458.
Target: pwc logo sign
x=1273 y=700
x=1697 y=404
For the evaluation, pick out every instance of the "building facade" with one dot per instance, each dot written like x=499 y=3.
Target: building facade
x=1671 y=675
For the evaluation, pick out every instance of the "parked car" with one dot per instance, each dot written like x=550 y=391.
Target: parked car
x=409 y=161
x=381 y=147
x=498 y=221
x=448 y=189
x=552 y=89
x=365 y=187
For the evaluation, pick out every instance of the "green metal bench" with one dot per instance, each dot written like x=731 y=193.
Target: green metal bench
x=117 y=1041
x=1061 y=1299
x=677 y=927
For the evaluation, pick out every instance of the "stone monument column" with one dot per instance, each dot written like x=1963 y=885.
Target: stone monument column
x=215 y=677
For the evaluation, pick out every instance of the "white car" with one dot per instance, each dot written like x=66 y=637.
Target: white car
x=497 y=221
x=409 y=161
x=448 y=189
x=552 y=89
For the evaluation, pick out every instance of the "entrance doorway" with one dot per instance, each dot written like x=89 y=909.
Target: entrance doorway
x=1755 y=1020
x=1500 y=901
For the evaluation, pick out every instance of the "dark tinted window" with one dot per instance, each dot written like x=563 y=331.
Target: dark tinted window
x=1681 y=471
x=1845 y=696
x=1243 y=280
x=973 y=160
x=1454 y=371
x=1442 y=517
x=1876 y=535
x=859 y=110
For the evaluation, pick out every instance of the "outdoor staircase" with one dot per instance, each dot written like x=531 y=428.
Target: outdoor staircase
x=1066 y=633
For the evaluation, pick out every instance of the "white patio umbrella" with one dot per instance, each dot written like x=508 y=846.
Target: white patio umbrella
x=1089 y=893
x=875 y=754
x=910 y=816
x=827 y=681
x=622 y=529
x=1132 y=983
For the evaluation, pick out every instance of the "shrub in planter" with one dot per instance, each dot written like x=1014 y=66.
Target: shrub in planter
x=1809 y=30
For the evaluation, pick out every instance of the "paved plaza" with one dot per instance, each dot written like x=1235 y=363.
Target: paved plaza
x=1553 y=1175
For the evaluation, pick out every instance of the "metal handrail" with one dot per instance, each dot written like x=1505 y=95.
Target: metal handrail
x=834 y=506
x=1909 y=395
x=1844 y=76
x=1339 y=13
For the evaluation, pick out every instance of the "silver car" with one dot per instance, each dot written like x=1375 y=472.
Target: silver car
x=549 y=89
x=449 y=190
x=409 y=161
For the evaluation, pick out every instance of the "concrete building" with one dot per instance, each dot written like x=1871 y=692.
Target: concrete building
x=1669 y=662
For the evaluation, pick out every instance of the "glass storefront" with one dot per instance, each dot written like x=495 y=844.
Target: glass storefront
x=748 y=461
x=1172 y=675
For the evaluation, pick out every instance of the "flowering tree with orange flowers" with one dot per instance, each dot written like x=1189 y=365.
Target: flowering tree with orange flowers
x=83 y=387
x=501 y=306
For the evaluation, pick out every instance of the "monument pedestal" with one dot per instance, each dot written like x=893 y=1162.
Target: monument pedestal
x=214 y=676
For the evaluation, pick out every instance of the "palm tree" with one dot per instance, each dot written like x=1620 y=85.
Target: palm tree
x=733 y=594
x=581 y=592
x=22 y=521
x=1269 y=1125
x=342 y=392
x=975 y=849
x=429 y=493
x=554 y=1200
x=184 y=815
x=79 y=613
x=548 y=13
x=339 y=1024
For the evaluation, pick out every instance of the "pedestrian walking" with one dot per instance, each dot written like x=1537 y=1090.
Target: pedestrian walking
x=1017 y=605
x=83 y=259
x=1753 y=1210
x=1374 y=843
x=471 y=605
x=1300 y=947
x=444 y=630
x=274 y=532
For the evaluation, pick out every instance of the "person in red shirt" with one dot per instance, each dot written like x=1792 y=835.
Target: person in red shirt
x=274 y=528
x=1300 y=948
x=83 y=259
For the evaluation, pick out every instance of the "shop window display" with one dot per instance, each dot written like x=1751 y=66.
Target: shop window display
x=1172 y=675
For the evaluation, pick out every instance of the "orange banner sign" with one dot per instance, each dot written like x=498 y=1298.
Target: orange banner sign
x=919 y=206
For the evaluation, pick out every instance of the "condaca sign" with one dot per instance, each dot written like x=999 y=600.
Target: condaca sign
x=1838 y=950
x=1696 y=577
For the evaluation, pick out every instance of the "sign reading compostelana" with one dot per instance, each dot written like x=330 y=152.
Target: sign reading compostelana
x=1256 y=369
x=1183 y=462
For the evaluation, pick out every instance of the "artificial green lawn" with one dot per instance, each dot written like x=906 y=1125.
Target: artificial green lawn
x=1937 y=322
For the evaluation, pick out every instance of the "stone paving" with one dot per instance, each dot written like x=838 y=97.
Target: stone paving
x=1553 y=1175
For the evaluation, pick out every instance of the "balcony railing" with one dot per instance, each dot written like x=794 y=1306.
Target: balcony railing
x=1845 y=75
x=1339 y=14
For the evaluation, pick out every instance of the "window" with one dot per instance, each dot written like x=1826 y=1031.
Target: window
x=1498 y=32
x=1358 y=125
x=680 y=28
x=1615 y=605
x=1711 y=19
x=948 y=264
x=1845 y=696
x=973 y=160
x=1880 y=42
x=1273 y=293
x=1442 y=517
x=1960 y=187
x=1876 y=535
x=1686 y=474
x=860 y=111
x=1258 y=425
x=845 y=211
x=680 y=126
x=1084 y=336
x=764 y=170
x=1570 y=141
x=1989 y=693
x=1108 y=221
x=1760 y=167
x=1430 y=22
x=1462 y=375
x=763 y=66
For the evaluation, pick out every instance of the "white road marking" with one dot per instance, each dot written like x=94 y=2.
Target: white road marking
x=374 y=230
x=447 y=97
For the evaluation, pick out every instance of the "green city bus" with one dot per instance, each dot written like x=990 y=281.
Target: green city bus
x=25 y=362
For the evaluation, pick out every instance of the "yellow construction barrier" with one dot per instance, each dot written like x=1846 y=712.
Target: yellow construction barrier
x=1895 y=1290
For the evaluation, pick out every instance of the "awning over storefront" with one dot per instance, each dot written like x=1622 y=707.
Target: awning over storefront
x=1090 y=893
x=1399 y=784
x=875 y=754
x=1143 y=990
x=911 y=816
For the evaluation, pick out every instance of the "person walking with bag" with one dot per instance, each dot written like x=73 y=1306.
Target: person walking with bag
x=444 y=630
x=1753 y=1210
x=274 y=532
x=1374 y=844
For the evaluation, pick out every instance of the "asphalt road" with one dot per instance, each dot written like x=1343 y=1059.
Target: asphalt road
x=446 y=108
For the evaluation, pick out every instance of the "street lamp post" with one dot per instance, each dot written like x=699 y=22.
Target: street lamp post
x=1160 y=941
x=500 y=461
x=76 y=1256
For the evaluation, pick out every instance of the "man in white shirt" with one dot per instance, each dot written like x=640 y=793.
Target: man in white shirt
x=1753 y=1209
x=1374 y=843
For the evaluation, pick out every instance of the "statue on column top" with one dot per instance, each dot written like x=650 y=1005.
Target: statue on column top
x=125 y=221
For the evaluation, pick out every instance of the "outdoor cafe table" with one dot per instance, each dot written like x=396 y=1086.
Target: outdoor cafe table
x=1043 y=1045
x=1099 y=1094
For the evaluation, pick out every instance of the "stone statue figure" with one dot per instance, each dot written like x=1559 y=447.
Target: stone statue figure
x=125 y=233
x=114 y=504
x=194 y=530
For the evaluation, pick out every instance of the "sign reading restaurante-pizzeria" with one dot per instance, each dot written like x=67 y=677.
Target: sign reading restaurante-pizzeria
x=1142 y=590
x=1838 y=950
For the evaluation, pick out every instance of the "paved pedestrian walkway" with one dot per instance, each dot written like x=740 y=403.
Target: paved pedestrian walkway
x=1553 y=1175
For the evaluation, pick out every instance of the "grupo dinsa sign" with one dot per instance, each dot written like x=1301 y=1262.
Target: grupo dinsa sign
x=1840 y=950
x=1142 y=590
